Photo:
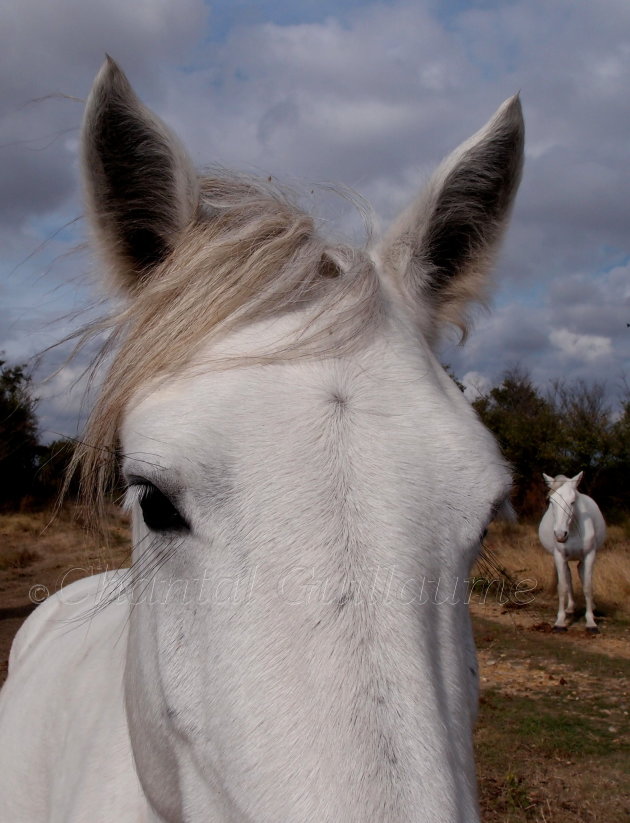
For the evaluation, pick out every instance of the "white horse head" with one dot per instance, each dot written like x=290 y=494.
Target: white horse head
x=562 y=496
x=308 y=486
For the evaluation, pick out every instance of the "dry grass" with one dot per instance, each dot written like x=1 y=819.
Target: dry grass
x=37 y=548
x=18 y=559
x=517 y=549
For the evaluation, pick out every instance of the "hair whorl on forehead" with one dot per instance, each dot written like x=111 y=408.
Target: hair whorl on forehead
x=249 y=254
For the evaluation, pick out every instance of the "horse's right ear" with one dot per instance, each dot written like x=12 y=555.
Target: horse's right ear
x=141 y=189
x=548 y=480
x=440 y=250
x=577 y=479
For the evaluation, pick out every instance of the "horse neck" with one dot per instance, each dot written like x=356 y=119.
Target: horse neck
x=584 y=503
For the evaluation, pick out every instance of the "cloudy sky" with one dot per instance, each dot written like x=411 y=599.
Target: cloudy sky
x=370 y=95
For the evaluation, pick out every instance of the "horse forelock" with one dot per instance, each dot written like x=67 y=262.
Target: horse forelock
x=250 y=254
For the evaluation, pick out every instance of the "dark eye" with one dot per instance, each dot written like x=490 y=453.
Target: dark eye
x=159 y=514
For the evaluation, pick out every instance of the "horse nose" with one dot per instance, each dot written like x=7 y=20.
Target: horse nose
x=561 y=537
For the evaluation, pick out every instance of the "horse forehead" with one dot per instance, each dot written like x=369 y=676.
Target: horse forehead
x=566 y=492
x=394 y=408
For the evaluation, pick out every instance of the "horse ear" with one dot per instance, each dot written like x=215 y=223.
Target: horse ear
x=440 y=250
x=141 y=189
x=548 y=480
x=577 y=479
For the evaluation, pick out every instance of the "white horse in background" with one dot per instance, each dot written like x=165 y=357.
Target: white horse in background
x=572 y=528
x=301 y=471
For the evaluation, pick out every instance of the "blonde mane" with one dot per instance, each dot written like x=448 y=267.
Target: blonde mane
x=558 y=481
x=249 y=254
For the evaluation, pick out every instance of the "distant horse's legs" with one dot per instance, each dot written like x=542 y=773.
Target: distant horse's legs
x=585 y=568
x=570 y=598
x=562 y=568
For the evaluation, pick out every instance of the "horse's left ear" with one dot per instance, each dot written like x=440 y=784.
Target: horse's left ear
x=576 y=480
x=440 y=250
x=141 y=189
x=548 y=480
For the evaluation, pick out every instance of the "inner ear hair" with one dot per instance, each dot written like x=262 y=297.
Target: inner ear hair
x=141 y=189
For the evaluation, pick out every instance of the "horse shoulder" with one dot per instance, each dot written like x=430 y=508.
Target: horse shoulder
x=545 y=530
x=62 y=712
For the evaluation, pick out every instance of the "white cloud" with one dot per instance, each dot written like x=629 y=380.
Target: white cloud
x=587 y=347
x=63 y=399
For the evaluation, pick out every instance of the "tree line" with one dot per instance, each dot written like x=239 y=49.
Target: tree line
x=564 y=430
x=568 y=428
x=31 y=472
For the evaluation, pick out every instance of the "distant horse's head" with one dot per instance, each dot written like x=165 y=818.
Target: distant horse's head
x=562 y=496
x=308 y=486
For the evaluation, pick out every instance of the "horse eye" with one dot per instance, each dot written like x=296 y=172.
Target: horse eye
x=159 y=514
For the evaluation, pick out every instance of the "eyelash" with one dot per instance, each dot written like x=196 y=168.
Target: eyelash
x=158 y=513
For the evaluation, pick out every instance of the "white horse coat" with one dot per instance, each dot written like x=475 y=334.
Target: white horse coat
x=572 y=528
x=65 y=753
x=299 y=646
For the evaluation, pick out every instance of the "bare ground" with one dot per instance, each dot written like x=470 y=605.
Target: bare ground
x=553 y=738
